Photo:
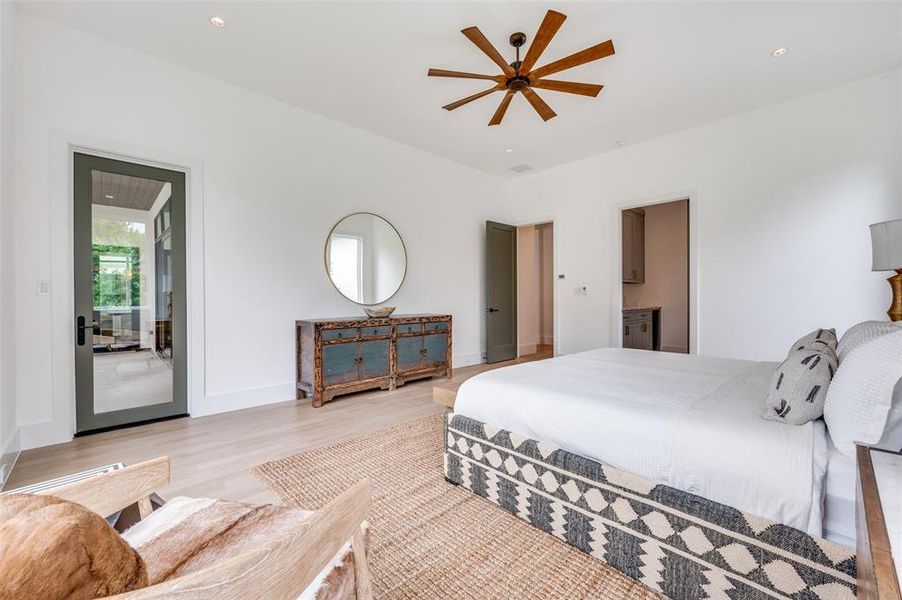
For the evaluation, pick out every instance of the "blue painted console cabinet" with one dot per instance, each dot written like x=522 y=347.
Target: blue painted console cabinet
x=340 y=356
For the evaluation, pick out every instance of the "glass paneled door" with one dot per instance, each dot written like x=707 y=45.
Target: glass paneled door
x=130 y=310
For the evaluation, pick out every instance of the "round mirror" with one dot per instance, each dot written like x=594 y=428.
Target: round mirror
x=365 y=258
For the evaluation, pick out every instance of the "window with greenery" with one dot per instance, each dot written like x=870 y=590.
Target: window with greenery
x=117 y=276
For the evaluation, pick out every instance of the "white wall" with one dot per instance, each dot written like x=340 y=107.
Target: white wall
x=782 y=198
x=545 y=234
x=276 y=179
x=8 y=418
x=528 y=289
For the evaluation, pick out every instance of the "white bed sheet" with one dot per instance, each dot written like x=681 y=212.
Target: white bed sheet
x=690 y=422
x=839 y=497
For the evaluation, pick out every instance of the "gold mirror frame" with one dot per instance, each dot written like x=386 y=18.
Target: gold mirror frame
x=326 y=257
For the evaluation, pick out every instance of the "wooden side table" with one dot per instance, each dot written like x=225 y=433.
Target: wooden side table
x=878 y=523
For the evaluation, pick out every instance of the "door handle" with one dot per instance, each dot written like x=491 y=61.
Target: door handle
x=80 y=327
x=491 y=310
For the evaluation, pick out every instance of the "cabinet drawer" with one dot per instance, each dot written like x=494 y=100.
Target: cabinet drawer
x=410 y=328
x=349 y=333
x=637 y=316
x=437 y=326
x=369 y=332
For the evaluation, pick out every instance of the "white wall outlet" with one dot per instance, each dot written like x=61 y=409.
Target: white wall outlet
x=42 y=287
x=582 y=290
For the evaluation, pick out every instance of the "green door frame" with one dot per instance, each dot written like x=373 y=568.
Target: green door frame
x=86 y=419
x=500 y=292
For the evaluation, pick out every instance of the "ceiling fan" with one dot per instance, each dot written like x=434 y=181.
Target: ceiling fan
x=520 y=76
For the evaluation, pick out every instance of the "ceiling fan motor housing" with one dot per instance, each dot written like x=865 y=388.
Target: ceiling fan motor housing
x=518 y=39
x=517 y=83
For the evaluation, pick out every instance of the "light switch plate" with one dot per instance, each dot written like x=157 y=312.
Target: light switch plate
x=42 y=287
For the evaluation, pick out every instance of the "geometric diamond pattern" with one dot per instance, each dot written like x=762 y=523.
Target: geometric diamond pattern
x=682 y=545
x=739 y=558
x=784 y=577
x=595 y=500
x=624 y=510
x=658 y=524
x=696 y=540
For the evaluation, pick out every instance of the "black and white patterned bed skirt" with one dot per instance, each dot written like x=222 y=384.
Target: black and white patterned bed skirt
x=674 y=542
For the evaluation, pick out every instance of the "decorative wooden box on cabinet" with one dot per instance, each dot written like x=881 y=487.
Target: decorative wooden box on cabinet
x=340 y=356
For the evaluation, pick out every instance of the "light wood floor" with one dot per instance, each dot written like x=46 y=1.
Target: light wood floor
x=212 y=456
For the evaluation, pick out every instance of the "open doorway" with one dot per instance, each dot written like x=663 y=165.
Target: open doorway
x=655 y=277
x=535 y=289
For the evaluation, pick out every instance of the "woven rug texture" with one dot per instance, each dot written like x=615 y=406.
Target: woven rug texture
x=433 y=539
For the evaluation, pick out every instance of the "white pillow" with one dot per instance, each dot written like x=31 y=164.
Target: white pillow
x=864 y=332
x=861 y=393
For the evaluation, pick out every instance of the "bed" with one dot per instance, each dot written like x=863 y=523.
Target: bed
x=661 y=465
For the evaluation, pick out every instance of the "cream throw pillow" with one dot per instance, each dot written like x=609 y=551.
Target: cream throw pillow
x=816 y=340
x=861 y=394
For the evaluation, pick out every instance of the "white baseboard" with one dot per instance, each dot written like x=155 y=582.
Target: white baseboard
x=9 y=457
x=527 y=349
x=467 y=360
x=547 y=340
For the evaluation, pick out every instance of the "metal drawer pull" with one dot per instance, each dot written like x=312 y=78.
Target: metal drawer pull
x=423 y=351
x=644 y=327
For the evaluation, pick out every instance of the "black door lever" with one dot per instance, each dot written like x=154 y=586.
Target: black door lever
x=80 y=330
x=491 y=310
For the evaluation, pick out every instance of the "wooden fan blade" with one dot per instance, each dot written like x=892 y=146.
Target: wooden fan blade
x=549 y=27
x=537 y=103
x=463 y=101
x=474 y=35
x=574 y=60
x=462 y=75
x=583 y=89
x=502 y=108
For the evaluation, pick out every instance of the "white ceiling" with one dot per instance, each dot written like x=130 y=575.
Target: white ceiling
x=678 y=64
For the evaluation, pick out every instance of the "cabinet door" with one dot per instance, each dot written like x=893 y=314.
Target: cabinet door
x=436 y=347
x=339 y=364
x=644 y=331
x=637 y=252
x=374 y=359
x=629 y=335
x=627 y=233
x=410 y=355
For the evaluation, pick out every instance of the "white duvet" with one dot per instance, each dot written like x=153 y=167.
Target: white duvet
x=691 y=422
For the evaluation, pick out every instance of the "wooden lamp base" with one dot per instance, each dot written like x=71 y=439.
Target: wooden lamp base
x=895 y=309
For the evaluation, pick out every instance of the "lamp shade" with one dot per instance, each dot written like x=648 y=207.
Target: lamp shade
x=886 y=243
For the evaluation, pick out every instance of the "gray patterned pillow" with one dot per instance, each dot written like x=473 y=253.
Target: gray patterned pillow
x=816 y=340
x=798 y=387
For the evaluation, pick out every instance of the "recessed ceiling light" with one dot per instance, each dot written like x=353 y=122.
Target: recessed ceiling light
x=508 y=150
x=217 y=22
x=109 y=196
x=621 y=142
x=779 y=52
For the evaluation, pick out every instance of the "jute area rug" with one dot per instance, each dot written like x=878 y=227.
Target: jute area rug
x=433 y=539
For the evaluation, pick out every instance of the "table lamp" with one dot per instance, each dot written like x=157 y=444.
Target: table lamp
x=886 y=243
